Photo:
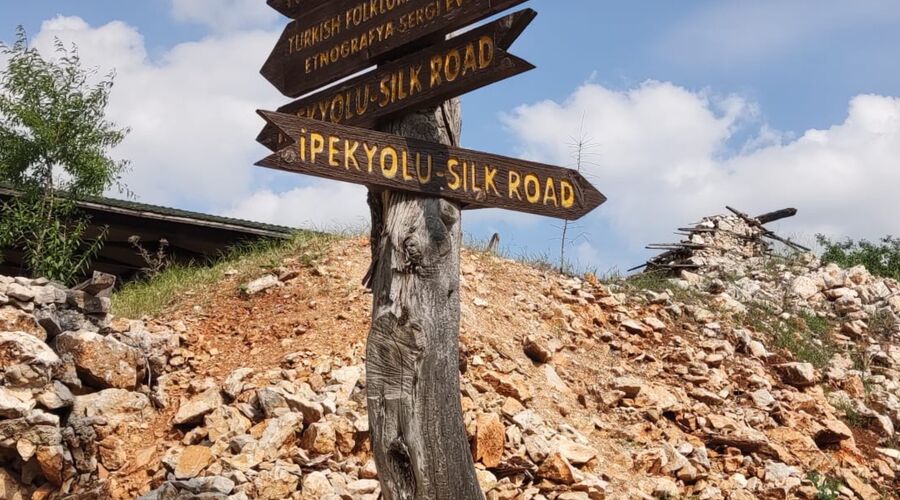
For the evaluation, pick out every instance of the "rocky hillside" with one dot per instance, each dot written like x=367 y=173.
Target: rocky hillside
x=747 y=376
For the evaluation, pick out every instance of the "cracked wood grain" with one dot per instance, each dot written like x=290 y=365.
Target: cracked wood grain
x=412 y=370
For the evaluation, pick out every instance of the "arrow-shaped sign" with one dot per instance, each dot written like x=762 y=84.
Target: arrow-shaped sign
x=343 y=37
x=392 y=162
x=449 y=69
x=294 y=8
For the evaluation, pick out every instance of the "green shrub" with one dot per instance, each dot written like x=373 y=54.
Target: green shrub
x=827 y=487
x=881 y=258
x=55 y=144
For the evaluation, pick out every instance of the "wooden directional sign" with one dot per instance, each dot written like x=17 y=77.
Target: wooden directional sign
x=427 y=78
x=293 y=8
x=342 y=37
x=392 y=162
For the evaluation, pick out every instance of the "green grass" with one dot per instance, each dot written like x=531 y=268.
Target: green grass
x=815 y=323
x=807 y=338
x=882 y=324
x=827 y=487
x=852 y=417
x=161 y=292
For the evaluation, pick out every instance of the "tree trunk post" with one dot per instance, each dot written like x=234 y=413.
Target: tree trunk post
x=412 y=365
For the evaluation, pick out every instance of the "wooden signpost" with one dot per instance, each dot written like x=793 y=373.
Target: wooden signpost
x=427 y=78
x=342 y=37
x=293 y=8
x=392 y=162
x=395 y=129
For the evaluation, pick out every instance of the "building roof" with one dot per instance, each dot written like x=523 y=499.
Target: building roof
x=190 y=236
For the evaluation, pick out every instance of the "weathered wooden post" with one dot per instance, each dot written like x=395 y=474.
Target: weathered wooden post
x=419 y=180
x=412 y=364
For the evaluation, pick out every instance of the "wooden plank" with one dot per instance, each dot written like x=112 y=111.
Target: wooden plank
x=777 y=215
x=294 y=8
x=449 y=69
x=392 y=162
x=342 y=37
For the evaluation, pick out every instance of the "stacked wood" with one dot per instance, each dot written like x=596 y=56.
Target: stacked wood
x=723 y=234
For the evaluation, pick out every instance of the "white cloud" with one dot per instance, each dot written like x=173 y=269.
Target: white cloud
x=192 y=111
x=738 y=33
x=326 y=206
x=663 y=159
x=112 y=46
x=224 y=15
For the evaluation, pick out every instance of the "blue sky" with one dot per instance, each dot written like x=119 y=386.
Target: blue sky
x=690 y=106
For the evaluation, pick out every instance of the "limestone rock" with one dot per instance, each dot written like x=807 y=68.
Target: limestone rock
x=261 y=284
x=319 y=438
x=192 y=461
x=15 y=404
x=575 y=453
x=101 y=361
x=275 y=484
x=10 y=488
x=797 y=374
x=56 y=396
x=804 y=287
x=537 y=350
x=226 y=422
x=114 y=406
x=665 y=488
x=13 y=319
x=512 y=385
x=18 y=350
x=20 y=292
x=634 y=327
x=193 y=410
x=557 y=469
x=209 y=484
x=362 y=487
x=279 y=431
x=87 y=303
x=629 y=385
x=489 y=441
x=55 y=464
x=347 y=378
x=834 y=432
x=234 y=383
x=316 y=485
x=860 y=487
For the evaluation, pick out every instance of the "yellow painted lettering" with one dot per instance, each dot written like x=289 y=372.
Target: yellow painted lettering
x=332 y=151
x=513 y=185
x=456 y=183
x=532 y=188
x=485 y=52
x=385 y=88
x=470 y=62
x=437 y=63
x=301 y=146
x=350 y=154
x=316 y=146
x=405 y=161
x=370 y=155
x=489 y=174
x=567 y=194
x=389 y=171
x=426 y=178
x=550 y=193
x=452 y=65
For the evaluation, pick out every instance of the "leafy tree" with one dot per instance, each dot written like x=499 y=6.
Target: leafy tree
x=881 y=258
x=54 y=148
